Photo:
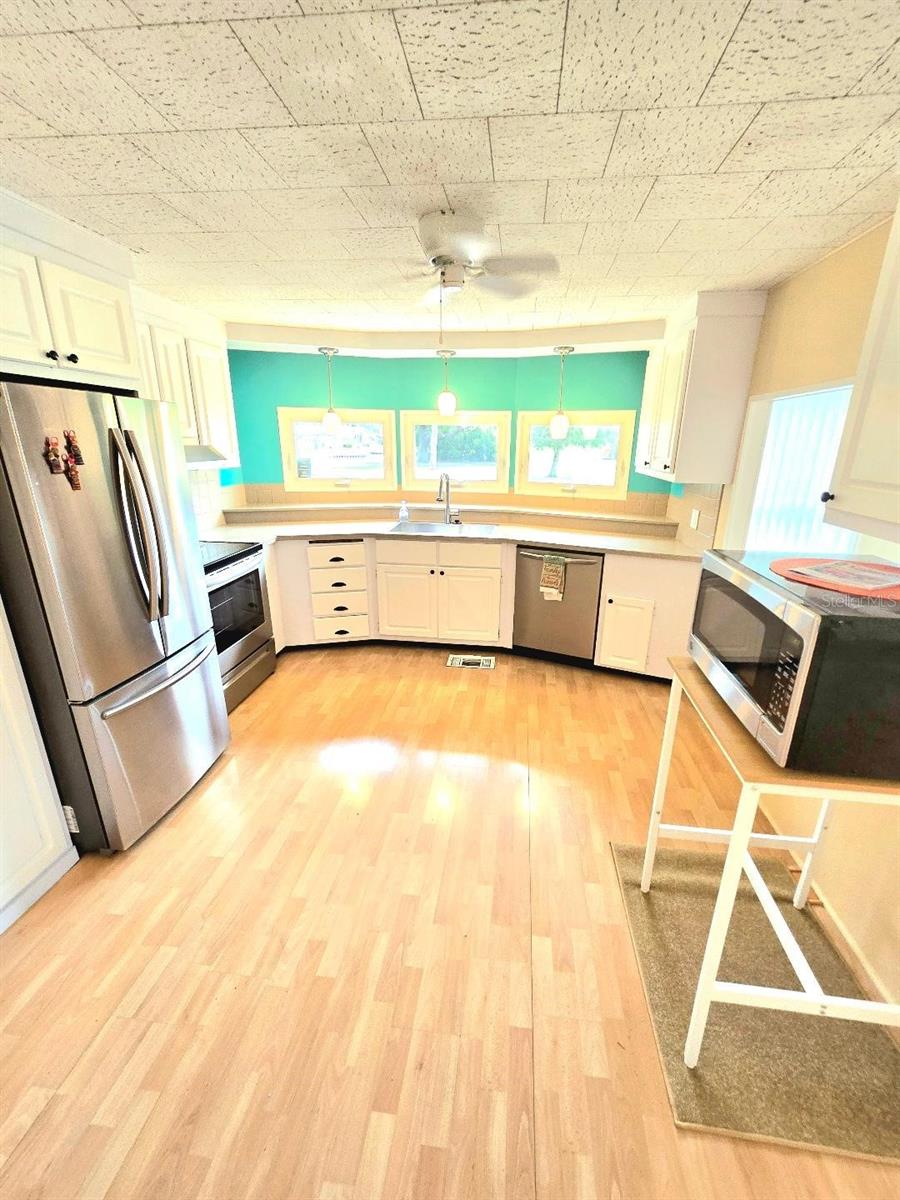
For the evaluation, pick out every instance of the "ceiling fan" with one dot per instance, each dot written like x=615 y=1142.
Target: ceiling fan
x=458 y=252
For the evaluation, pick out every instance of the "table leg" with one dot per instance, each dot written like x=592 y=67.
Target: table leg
x=802 y=893
x=662 y=778
x=718 y=929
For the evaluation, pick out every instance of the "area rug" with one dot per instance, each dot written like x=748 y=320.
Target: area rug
x=762 y=1074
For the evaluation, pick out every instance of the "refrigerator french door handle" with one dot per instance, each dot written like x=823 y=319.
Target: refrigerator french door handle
x=140 y=510
x=195 y=662
x=135 y=448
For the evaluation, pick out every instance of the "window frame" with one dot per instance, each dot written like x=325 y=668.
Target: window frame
x=411 y=417
x=287 y=417
x=624 y=418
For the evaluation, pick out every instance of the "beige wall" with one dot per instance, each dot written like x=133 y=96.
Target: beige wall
x=812 y=335
x=814 y=324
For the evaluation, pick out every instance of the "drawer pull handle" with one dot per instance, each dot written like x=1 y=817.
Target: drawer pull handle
x=338 y=583
x=341 y=632
x=336 y=558
x=340 y=608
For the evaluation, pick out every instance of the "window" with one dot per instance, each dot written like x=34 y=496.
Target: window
x=591 y=460
x=359 y=454
x=472 y=447
x=798 y=458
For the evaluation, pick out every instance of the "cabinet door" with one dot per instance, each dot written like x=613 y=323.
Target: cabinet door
x=667 y=415
x=91 y=321
x=24 y=328
x=214 y=406
x=147 y=360
x=653 y=377
x=174 y=379
x=407 y=600
x=469 y=604
x=625 y=635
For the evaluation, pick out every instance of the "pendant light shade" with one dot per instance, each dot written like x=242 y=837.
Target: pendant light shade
x=331 y=421
x=559 y=422
x=446 y=401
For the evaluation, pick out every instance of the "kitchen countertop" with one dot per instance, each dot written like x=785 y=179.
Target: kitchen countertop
x=553 y=539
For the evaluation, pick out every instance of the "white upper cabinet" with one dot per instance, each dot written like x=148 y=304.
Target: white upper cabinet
x=173 y=373
x=24 y=327
x=696 y=390
x=147 y=360
x=91 y=320
x=213 y=403
x=866 y=480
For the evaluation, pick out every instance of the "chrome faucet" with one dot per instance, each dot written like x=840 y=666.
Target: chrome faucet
x=451 y=515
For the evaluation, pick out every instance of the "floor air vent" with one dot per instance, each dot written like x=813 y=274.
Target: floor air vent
x=477 y=662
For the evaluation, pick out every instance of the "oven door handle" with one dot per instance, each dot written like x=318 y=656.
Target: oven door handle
x=225 y=575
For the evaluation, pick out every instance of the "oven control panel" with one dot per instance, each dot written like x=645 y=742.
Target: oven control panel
x=782 y=688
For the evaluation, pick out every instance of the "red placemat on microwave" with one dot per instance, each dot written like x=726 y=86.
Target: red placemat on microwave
x=787 y=567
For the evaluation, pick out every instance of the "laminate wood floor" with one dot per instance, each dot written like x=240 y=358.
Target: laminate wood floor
x=378 y=954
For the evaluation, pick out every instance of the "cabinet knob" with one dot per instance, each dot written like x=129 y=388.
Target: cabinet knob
x=826 y=496
x=442 y=572
x=609 y=601
x=54 y=354
x=73 y=358
x=431 y=572
x=646 y=462
x=667 y=466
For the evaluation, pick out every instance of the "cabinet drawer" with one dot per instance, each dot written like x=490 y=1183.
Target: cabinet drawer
x=405 y=550
x=328 y=629
x=469 y=554
x=340 y=603
x=337 y=579
x=336 y=554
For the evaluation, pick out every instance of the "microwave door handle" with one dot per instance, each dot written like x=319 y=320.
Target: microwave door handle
x=150 y=581
x=164 y=586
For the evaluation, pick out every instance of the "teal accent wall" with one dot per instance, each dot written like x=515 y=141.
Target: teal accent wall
x=263 y=381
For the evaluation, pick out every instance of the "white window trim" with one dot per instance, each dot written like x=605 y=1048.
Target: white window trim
x=410 y=417
x=287 y=417
x=624 y=418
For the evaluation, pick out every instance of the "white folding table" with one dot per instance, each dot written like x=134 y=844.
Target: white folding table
x=758 y=775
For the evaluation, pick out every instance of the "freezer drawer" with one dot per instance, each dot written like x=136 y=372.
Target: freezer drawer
x=567 y=626
x=149 y=741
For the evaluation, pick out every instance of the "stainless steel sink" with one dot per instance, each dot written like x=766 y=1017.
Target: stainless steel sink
x=439 y=529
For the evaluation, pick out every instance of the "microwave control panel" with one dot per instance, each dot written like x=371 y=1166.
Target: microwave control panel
x=782 y=688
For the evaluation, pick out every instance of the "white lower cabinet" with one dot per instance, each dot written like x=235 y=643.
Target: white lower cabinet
x=646 y=610
x=407 y=600
x=469 y=604
x=445 y=591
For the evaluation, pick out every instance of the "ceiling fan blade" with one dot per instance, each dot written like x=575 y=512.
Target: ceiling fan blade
x=523 y=264
x=503 y=286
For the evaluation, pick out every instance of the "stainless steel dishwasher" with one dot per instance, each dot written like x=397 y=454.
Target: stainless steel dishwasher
x=569 y=626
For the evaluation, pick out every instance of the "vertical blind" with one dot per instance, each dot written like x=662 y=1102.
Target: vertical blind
x=797 y=464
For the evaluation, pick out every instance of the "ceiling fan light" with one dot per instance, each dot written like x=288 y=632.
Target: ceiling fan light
x=446 y=403
x=559 y=426
x=331 y=421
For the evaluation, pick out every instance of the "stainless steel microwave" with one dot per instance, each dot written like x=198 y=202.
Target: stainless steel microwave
x=814 y=675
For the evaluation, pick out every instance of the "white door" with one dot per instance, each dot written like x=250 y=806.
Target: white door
x=667 y=417
x=627 y=622
x=175 y=379
x=212 y=397
x=149 y=380
x=24 y=328
x=91 y=321
x=407 y=600
x=469 y=604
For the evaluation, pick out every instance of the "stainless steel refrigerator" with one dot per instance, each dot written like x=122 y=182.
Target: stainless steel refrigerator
x=101 y=577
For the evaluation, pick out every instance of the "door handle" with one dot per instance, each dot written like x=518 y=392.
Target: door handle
x=135 y=448
x=180 y=674
x=137 y=506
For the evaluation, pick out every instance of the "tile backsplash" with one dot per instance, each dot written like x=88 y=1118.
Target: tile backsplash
x=206 y=497
x=706 y=498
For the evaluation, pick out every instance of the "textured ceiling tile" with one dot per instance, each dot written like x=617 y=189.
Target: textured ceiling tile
x=625 y=235
x=199 y=247
x=881 y=148
x=57 y=16
x=344 y=6
x=334 y=68
x=292 y=245
x=103 y=165
x=726 y=262
x=162 y=12
x=210 y=159
x=786 y=233
x=16 y=121
x=798 y=49
x=391 y=207
x=318 y=156
x=383 y=243
x=565 y=146
x=140 y=214
x=808 y=133
x=878 y=196
x=683 y=140
x=80 y=210
x=715 y=233
x=681 y=197
x=222 y=212
x=541 y=239
x=883 y=77
x=433 y=151
x=479 y=60
x=642 y=53
x=23 y=171
x=197 y=76
x=666 y=285
x=60 y=80
x=521 y=202
x=305 y=208
x=596 y=199
x=805 y=193
x=660 y=263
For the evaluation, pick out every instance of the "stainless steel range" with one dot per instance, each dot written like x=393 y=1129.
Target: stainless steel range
x=236 y=582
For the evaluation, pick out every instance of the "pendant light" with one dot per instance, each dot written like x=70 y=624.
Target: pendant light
x=446 y=401
x=559 y=422
x=331 y=421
